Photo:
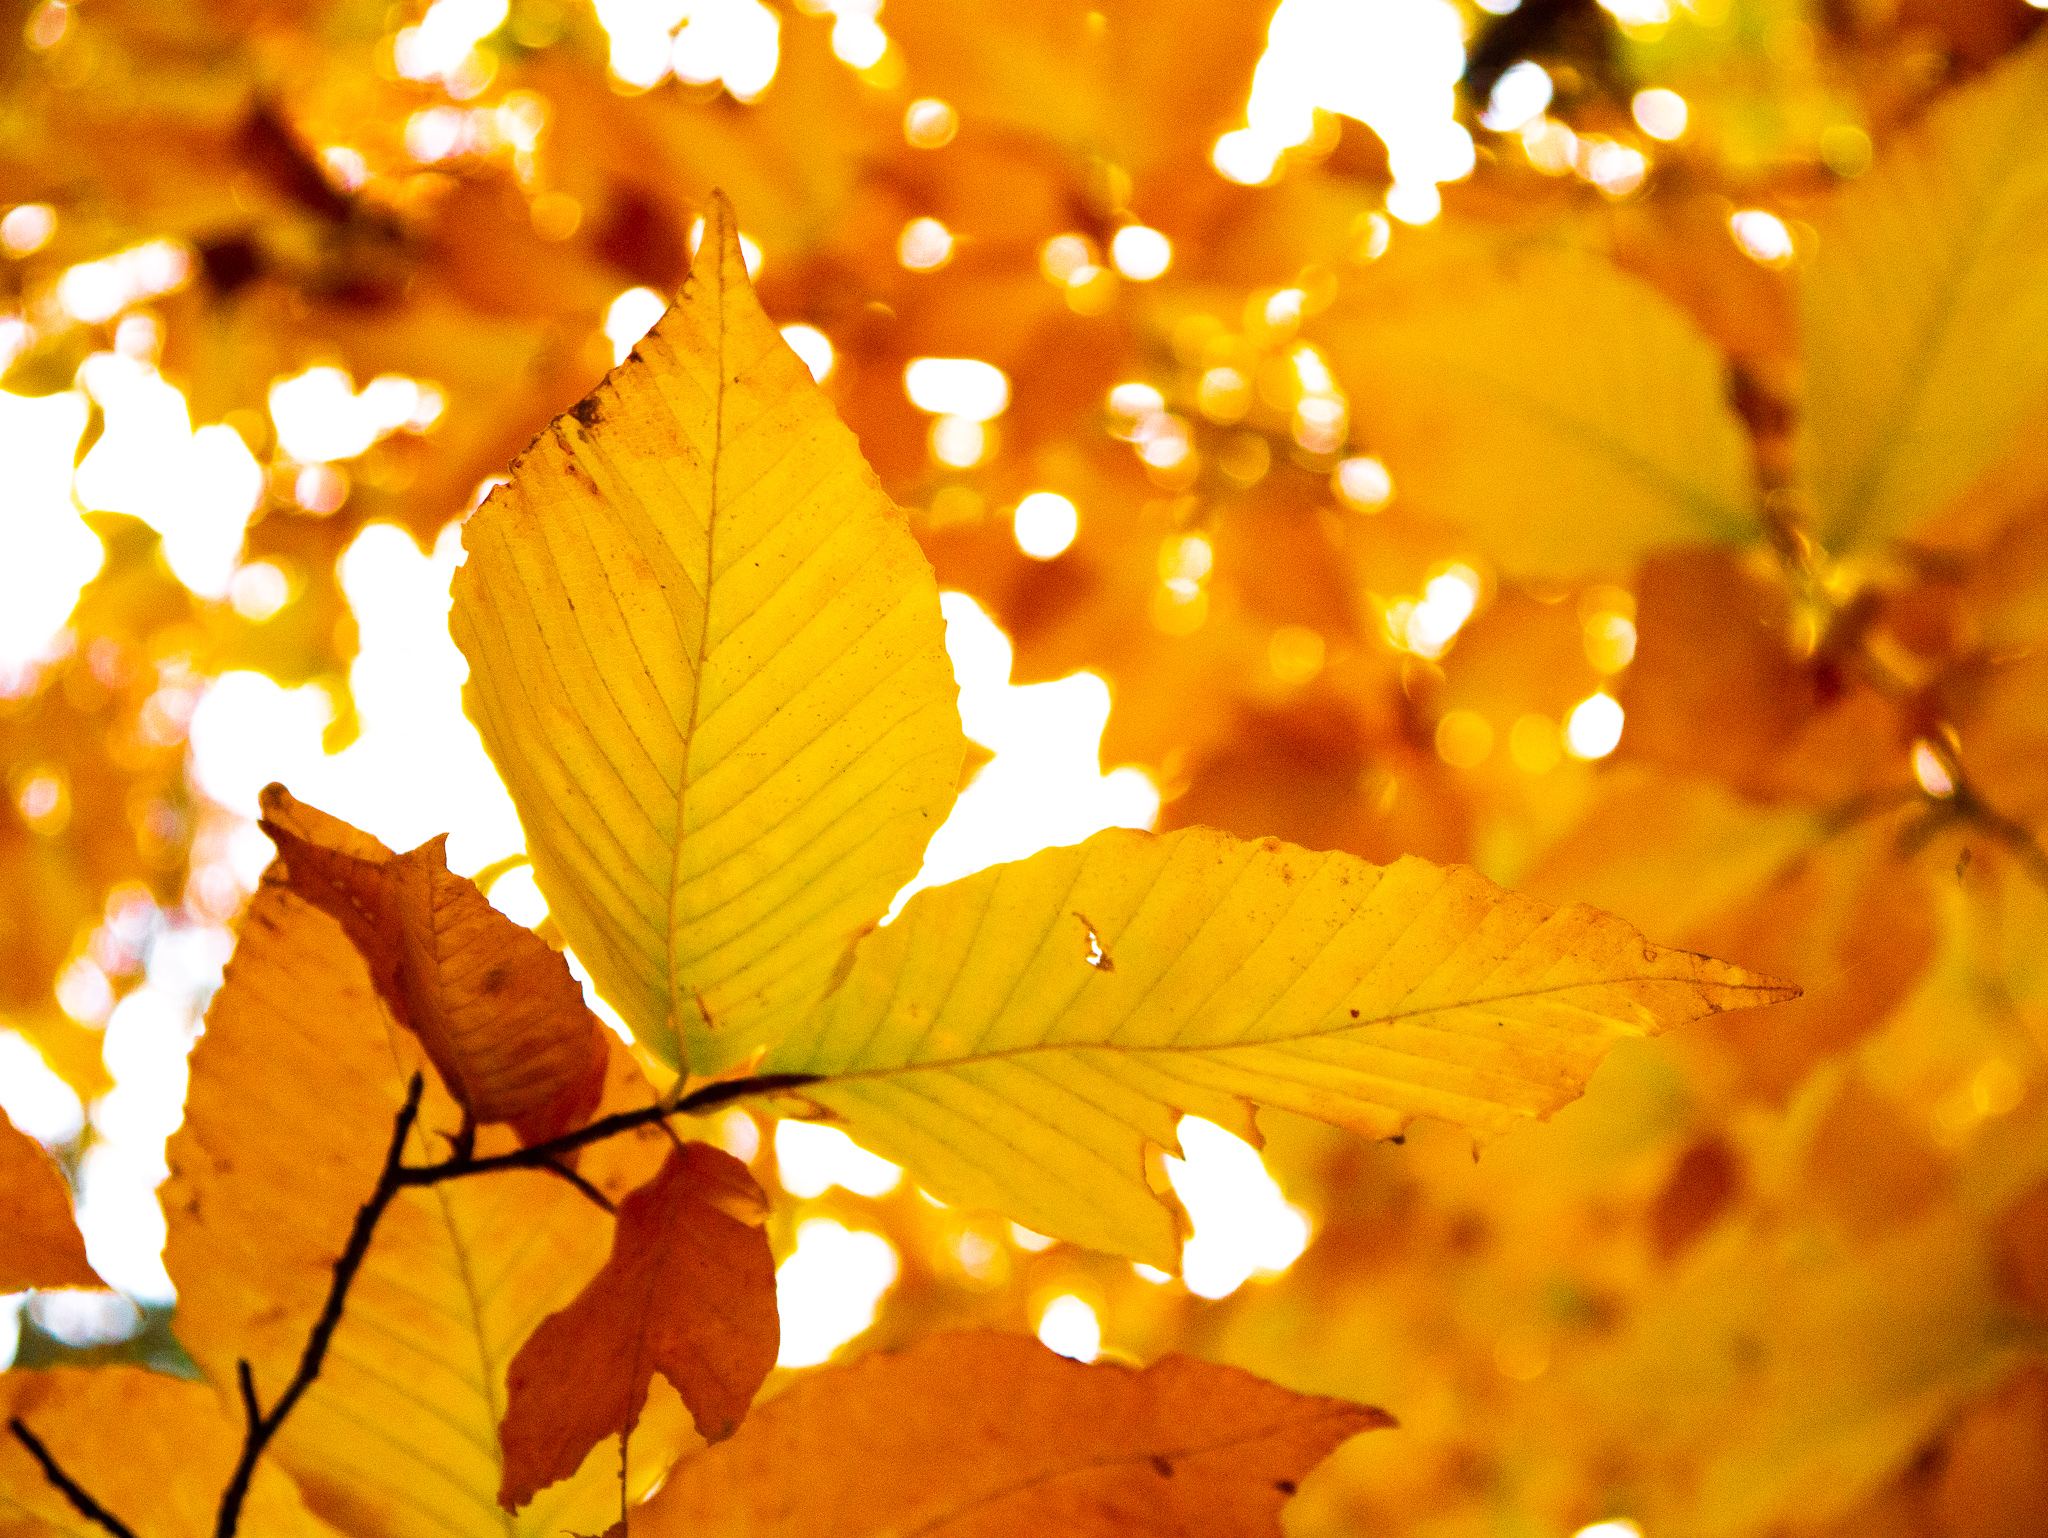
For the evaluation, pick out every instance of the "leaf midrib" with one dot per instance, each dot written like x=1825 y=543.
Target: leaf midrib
x=1916 y=370
x=677 y=988
x=1340 y=1028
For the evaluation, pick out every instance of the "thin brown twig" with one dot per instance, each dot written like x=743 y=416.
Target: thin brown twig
x=397 y=1176
x=252 y=1409
x=72 y=1491
x=540 y=1155
x=265 y=1427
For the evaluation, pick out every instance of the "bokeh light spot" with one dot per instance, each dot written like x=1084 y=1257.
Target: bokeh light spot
x=1593 y=729
x=828 y=1290
x=1070 y=1326
x=811 y=1158
x=1045 y=523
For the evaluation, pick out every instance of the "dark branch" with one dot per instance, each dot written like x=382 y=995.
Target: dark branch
x=397 y=1176
x=252 y=1410
x=265 y=1427
x=84 y=1504
x=544 y=1155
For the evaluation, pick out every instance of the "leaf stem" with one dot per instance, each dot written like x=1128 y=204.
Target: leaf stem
x=53 y=1471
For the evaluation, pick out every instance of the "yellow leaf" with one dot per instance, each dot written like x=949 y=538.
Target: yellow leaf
x=1926 y=311
x=707 y=658
x=979 y=1435
x=40 y=1245
x=154 y=1451
x=294 y=1088
x=1566 y=413
x=1018 y=1037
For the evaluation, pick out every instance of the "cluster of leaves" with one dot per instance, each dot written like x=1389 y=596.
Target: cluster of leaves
x=1783 y=1272
x=707 y=658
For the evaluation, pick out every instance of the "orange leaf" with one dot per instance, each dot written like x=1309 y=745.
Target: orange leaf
x=498 y=1012
x=689 y=1291
x=39 y=1240
x=984 y=1435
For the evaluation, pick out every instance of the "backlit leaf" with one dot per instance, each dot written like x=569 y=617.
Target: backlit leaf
x=498 y=1012
x=1018 y=1037
x=294 y=1087
x=1926 y=324
x=1566 y=413
x=986 y=1435
x=153 y=1450
x=707 y=658
x=40 y=1245
x=689 y=1292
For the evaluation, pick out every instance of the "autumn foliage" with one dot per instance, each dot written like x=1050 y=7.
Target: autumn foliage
x=1588 y=644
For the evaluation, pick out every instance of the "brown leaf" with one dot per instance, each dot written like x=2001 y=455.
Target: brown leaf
x=984 y=1435
x=39 y=1240
x=498 y=1011
x=689 y=1291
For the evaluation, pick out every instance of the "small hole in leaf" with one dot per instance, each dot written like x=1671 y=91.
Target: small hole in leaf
x=1098 y=958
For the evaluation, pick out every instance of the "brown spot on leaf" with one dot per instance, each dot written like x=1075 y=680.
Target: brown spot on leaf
x=1165 y=1468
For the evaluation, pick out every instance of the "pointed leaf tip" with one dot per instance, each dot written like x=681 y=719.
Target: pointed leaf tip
x=976 y=1042
x=40 y=1245
x=707 y=658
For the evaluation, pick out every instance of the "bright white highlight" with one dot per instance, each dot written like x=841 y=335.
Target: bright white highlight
x=957 y=387
x=631 y=316
x=1929 y=771
x=738 y=42
x=925 y=245
x=27 y=228
x=1362 y=484
x=828 y=1290
x=1762 y=236
x=811 y=345
x=320 y=417
x=1045 y=524
x=440 y=45
x=418 y=767
x=1393 y=64
x=812 y=1158
x=1593 y=729
x=51 y=554
x=1428 y=627
x=1620 y=1527
x=195 y=489
x=97 y=291
x=1521 y=93
x=1140 y=253
x=1659 y=113
x=1069 y=1326
x=1244 y=1227
x=35 y=1099
x=1044 y=786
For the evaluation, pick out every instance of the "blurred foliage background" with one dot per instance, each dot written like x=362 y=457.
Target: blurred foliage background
x=1601 y=443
